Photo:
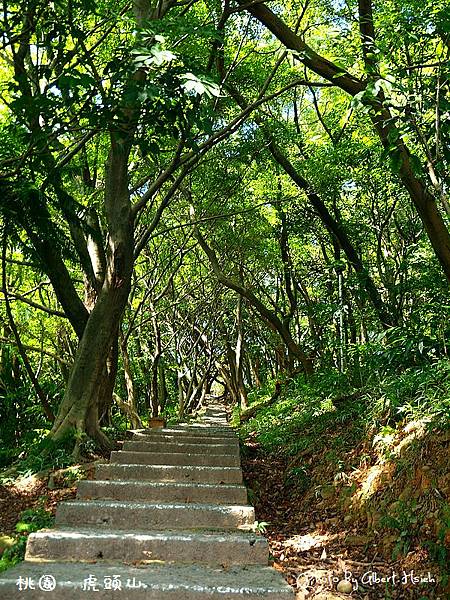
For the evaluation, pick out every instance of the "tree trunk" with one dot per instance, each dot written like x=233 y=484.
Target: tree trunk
x=162 y=385
x=181 y=394
x=79 y=408
x=106 y=385
x=155 y=395
x=129 y=407
x=238 y=358
x=46 y=408
x=333 y=227
x=255 y=365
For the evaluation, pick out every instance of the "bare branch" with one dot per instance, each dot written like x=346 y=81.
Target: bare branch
x=46 y=309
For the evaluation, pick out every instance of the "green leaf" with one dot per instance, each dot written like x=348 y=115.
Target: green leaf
x=416 y=164
x=357 y=100
x=200 y=86
x=393 y=135
x=395 y=160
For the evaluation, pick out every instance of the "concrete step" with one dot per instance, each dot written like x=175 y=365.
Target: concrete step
x=152 y=582
x=172 y=458
x=162 y=492
x=181 y=447
x=184 y=437
x=204 y=429
x=201 y=431
x=169 y=473
x=229 y=548
x=219 y=418
x=145 y=515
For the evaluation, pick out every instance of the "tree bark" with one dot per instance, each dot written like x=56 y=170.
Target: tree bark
x=79 y=408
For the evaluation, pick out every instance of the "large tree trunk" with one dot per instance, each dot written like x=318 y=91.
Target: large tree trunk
x=79 y=408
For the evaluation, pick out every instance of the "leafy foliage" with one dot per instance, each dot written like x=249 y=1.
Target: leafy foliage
x=30 y=520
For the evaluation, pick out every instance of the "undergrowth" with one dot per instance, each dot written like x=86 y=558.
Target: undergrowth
x=36 y=452
x=30 y=520
x=331 y=426
x=308 y=407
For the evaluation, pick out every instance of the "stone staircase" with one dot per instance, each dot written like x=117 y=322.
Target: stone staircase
x=166 y=519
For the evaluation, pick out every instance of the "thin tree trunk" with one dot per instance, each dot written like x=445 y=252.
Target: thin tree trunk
x=255 y=369
x=106 y=385
x=129 y=407
x=155 y=365
x=162 y=385
x=37 y=388
x=239 y=352
x=333 y=227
